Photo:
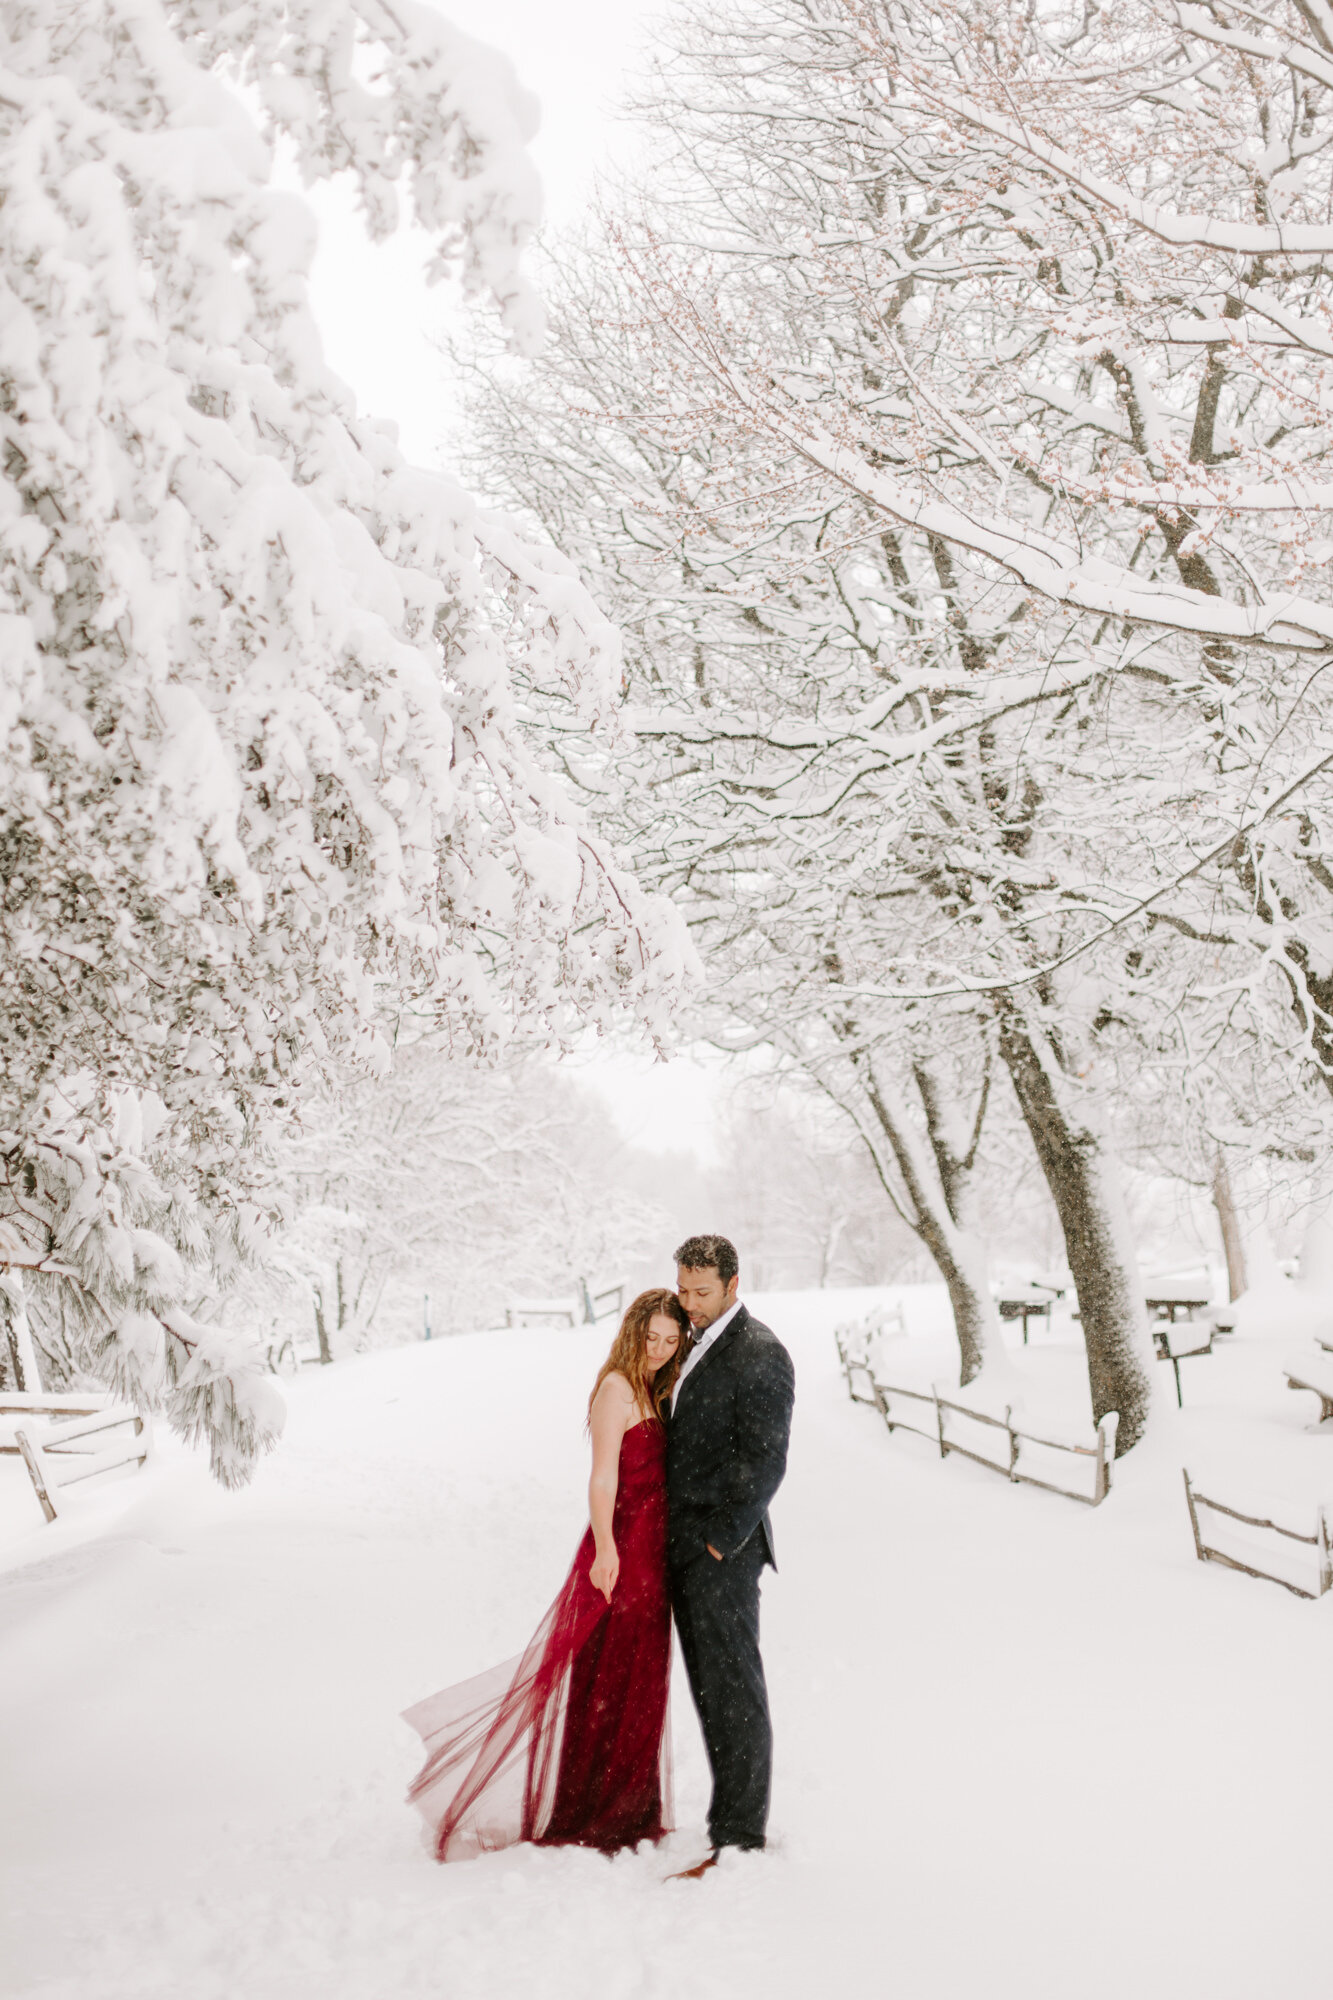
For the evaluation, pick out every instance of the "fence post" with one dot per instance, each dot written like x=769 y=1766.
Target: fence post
x=1013 y=1441
x=35 y=1472
x=939 y=1421
x=1194 y=1518
x=1325 y=1552
x=1106 y=1433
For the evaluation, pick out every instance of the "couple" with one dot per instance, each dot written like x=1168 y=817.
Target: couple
x=568 y=1745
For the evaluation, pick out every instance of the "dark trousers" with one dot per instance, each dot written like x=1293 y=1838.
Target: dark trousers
x=717 y=1616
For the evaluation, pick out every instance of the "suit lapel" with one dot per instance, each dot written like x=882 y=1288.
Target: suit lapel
x=710 y=1351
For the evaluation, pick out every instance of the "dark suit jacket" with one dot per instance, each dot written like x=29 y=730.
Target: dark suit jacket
x=727 y=1443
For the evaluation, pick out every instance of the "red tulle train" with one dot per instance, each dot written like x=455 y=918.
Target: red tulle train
x=567 y=1744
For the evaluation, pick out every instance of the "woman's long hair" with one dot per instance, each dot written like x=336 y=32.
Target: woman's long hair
x=629 y=1352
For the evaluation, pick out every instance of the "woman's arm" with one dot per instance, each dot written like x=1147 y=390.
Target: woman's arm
x=612 y=1408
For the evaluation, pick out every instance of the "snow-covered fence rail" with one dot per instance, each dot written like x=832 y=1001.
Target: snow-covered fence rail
x=1319 y=1382
x=543 y=1312
x=885 y=1398
x=602 y=1304
x=64 y=1438
x=585 y=1307
x=1318 y=1541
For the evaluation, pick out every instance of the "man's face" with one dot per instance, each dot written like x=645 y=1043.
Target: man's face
x=703 y=1294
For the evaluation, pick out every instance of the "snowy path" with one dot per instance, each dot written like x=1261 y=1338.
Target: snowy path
x=1023 y=1749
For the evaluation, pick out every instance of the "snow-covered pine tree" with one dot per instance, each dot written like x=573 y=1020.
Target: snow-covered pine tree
x=266 y=773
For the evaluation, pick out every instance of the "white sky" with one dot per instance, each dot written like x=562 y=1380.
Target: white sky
x=664 y=1107
x=378 y=317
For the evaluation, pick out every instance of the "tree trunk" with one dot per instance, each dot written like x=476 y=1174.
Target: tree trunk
x=18 y=1334
x=1080 y=1176
x=957 y=1252
x=321 y=1328
x=954 y=1147
x=15 y=1358
x=828 y=1249
x=1232 y=1241
x=974 y=1316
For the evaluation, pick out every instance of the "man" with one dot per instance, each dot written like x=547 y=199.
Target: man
x=726 y=1454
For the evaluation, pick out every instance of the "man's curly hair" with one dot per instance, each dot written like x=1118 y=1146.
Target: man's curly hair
x=704 y=1253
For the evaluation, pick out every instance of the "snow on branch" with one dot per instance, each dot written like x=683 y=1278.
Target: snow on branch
x=968 y=539
x=272 y=770
x=1040 y=561
x=419 y=113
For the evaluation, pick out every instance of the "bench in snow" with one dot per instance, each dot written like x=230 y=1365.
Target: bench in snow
x=1025 y=1306
x=1319 y=1382
x=1166 y=1301
x=63 y=1438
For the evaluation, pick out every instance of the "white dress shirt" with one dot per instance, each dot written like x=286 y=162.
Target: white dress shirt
x=702 y=1345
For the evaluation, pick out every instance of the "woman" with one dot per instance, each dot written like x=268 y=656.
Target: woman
x=567 y=1746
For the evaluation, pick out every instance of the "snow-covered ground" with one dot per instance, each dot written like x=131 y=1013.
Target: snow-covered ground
x=1025 y=1750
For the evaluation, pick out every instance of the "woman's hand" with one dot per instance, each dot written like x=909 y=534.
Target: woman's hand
x=605 y=1571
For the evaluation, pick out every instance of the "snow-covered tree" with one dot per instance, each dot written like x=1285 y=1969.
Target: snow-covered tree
x=974 y=355
x=268 y=697
x=475 y=1187
x=734 y=697
x=798 y=1191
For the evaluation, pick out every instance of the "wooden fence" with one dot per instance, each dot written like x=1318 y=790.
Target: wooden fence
x=883 y=1397
x=63 y=1438
x=1318 y=1541
x=585 y=1308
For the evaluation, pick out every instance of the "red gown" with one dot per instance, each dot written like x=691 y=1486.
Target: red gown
x=568 y=1743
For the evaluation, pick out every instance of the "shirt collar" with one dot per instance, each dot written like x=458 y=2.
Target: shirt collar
x=719 y=1327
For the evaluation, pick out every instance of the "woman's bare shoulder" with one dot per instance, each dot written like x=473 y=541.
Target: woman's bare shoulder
x=615 y=1392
